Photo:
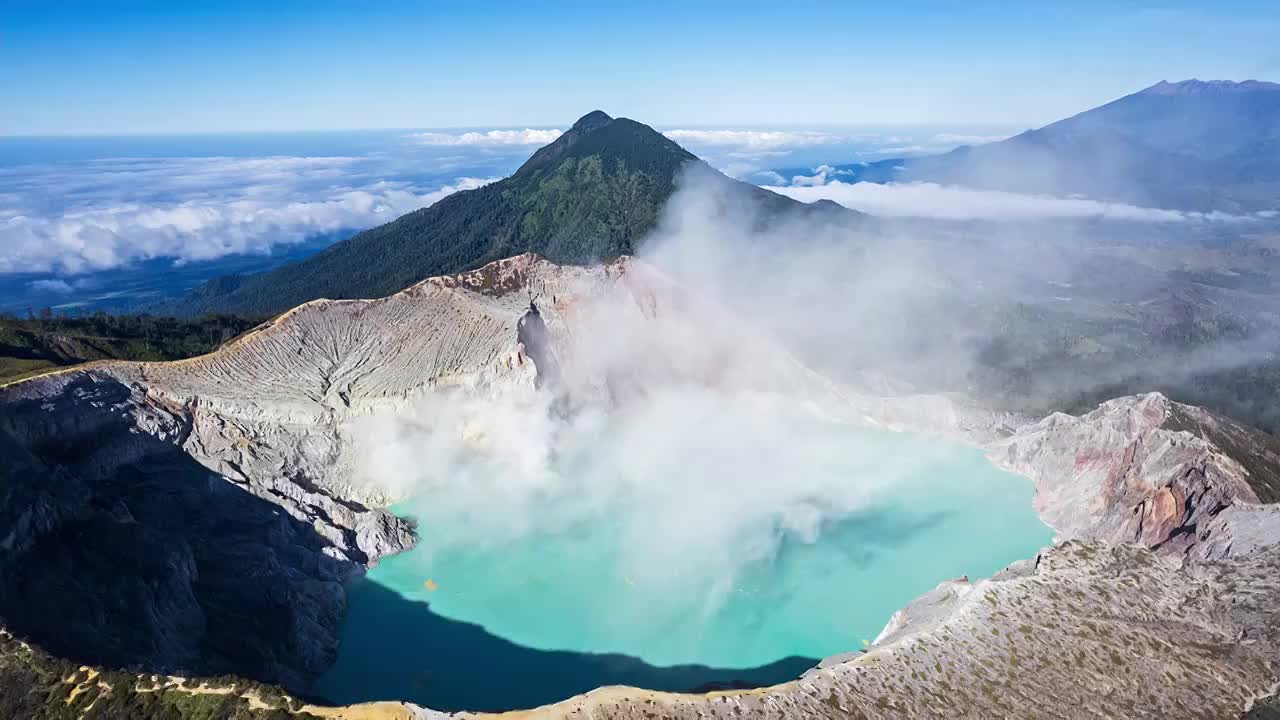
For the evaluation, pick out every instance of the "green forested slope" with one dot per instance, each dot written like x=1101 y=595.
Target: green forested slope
x=590 y=195
x=30 y=346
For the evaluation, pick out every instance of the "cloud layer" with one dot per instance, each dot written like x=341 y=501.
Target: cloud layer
x=753 y=139
x=106 y=214
x=527 y=136
x=930 y=200
x=755 y=154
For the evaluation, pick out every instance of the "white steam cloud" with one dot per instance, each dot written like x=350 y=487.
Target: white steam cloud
x=700 y=440
x=695 y=427
x=695 y=484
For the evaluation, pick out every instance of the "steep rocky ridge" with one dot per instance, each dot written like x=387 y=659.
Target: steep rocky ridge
x=121 y=548
x=200 y=516
x=282 y=400
x=1192 y=145
x=1143 y=470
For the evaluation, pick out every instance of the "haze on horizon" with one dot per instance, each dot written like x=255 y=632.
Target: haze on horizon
x=147 y=67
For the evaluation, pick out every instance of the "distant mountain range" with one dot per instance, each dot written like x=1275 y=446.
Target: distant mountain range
x=1192 y=145
x=597 y=191
x=592 y=194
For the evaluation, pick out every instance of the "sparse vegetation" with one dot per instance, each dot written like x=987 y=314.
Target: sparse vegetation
x=39 y=686
x=30 y=346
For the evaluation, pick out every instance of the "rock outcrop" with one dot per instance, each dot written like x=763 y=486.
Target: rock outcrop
x=1150 y=471
x=121 y=547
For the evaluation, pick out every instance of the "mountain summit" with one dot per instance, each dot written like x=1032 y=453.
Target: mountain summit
x=638 y=146
x=592 y=194
x=591 y=121
x=1191 y=145
x=1205 y=87
x=589 y=195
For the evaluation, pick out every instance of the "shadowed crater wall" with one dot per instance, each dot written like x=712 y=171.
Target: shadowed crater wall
x=486 y=672
x=122 y=550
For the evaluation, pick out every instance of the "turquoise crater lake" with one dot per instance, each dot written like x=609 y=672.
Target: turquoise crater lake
x=722 y=596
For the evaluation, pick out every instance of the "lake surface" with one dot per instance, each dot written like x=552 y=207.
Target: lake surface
x=540 y=615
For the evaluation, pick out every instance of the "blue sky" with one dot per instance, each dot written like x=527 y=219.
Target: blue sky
x=145 y=147
x=145 y=67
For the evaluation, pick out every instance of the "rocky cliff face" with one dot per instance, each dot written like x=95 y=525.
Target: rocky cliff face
x=123 y=547
x=1150 y=471
x=201 y=516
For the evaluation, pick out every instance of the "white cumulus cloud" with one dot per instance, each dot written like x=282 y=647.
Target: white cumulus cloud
x=55 y=286
x=753 y=139
x=527 y=136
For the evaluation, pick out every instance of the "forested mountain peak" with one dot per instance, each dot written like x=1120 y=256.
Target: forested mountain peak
x=592 y=194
